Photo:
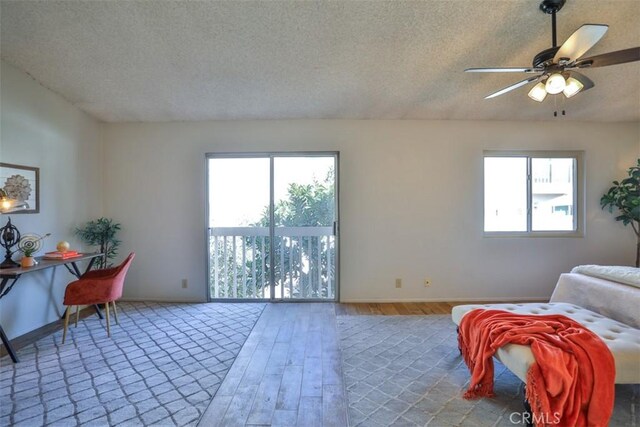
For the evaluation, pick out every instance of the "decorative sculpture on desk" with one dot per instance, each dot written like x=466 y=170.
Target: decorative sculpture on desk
x=9 y=237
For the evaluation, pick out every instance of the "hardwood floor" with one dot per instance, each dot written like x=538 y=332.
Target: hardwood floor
x=342 y=309
x=397 y=308
x=289 y=372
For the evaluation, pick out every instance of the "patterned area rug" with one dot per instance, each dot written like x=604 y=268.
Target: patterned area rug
x=161 y=366
x=407 y=371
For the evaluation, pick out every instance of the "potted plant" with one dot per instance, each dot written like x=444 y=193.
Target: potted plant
x=625 y=197
x=102 y=233
x=29 y=244
x=27 y=260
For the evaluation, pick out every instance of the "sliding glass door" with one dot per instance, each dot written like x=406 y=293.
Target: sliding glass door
x=272 y=226
x=238 y=227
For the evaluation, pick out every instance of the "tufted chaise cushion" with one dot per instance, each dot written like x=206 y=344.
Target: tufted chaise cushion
x=614 y=300
x=622 y=340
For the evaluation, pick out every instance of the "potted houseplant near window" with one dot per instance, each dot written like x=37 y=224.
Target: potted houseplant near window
x=102 y=233
x=625 y=197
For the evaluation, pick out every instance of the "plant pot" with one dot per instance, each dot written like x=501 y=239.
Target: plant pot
x=27 y=261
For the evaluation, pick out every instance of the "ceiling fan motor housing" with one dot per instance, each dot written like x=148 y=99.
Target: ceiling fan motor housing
x=545 y=57
x=551 y=6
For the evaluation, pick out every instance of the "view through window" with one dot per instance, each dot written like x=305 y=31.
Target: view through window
x=529 y=192
x=272 y=226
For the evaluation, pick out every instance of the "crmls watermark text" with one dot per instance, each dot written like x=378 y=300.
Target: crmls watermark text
x=527 y=418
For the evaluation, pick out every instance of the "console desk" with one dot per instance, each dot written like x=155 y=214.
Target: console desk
x=9 y=277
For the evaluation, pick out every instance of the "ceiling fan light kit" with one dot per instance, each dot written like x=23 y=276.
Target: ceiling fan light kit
x=572 y=87
x=555 y=84
x=538 y=92
x=556 y=66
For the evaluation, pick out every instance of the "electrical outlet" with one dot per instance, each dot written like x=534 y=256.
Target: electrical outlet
x=398 y=283
x=185 y=283
x=427 y=282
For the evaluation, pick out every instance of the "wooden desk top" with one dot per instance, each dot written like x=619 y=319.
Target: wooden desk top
x=44 y=263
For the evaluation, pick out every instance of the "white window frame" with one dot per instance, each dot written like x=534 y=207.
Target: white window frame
x=578 y=190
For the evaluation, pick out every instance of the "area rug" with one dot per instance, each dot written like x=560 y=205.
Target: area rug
x=161 y=366
x=407 y=371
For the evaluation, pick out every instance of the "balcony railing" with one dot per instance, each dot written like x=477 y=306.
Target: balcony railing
x=241 y=265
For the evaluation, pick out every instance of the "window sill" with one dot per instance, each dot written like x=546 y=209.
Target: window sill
x=568 y=234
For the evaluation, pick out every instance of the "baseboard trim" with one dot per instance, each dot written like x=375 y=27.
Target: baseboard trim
x=462 y=299
x=50 y=328
x=363 y=300
x=165 y=300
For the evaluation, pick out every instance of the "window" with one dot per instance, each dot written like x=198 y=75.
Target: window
x=532 y=193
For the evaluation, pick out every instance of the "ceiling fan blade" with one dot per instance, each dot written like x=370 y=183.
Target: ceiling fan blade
x=586 y=81
x=611 y=58
x=583 y=39
x=504 y=70
x=512 y=87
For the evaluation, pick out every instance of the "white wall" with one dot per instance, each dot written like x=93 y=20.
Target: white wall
x=411 y=199
x=39 y=128
x=411 y=203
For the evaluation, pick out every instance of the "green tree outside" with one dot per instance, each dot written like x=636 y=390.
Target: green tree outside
x=302 y=264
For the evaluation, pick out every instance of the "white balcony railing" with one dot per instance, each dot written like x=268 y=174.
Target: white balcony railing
x=303 y=264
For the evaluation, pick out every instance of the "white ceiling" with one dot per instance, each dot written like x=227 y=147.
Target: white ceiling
x=176 y=60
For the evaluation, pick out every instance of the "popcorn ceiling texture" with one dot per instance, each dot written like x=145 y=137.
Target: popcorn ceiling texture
x=169 y=60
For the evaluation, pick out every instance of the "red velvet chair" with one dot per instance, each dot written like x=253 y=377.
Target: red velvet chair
x=96 y=287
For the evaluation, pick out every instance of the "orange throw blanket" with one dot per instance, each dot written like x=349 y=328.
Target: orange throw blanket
x=572 y=381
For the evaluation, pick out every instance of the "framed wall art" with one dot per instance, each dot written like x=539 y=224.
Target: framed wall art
x=23 y=184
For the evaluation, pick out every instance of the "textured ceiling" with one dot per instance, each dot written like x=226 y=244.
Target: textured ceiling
x=174 y=60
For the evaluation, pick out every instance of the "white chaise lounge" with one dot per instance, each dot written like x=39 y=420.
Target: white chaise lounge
x=610 y=307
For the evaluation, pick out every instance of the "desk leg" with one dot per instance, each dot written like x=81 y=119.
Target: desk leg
x=76 y=270
x=7 y=345
x=97 y=309
x=91 y=262
x=4 y=289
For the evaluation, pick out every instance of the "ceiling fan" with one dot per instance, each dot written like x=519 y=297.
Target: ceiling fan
x=555 y=68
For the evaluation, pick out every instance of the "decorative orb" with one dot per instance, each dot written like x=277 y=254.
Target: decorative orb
x=63 y=246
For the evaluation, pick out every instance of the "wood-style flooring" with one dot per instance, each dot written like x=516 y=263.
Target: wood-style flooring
x=341 y=309
x=289 y=372
x=400 y=308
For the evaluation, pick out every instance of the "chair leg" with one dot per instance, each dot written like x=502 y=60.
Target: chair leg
x=66 y=323
x=106 y=307
x=77 y=314
x=115 y=311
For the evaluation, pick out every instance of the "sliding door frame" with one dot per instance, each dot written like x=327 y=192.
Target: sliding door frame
x=271 y=155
